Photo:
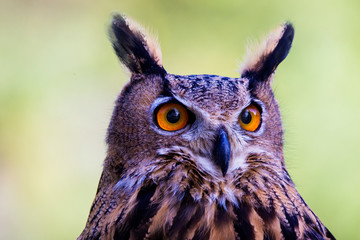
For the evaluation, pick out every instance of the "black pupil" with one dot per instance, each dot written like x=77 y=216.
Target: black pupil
x=245 y=117
x=173 y=116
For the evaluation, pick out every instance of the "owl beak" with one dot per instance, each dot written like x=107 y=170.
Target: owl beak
x=222 y=151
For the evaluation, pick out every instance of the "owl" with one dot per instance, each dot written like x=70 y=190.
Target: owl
x=197 y=156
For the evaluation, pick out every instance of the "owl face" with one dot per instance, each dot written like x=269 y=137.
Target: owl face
x=218 y=121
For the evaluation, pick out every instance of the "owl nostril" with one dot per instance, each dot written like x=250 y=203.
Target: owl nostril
x=222 y=151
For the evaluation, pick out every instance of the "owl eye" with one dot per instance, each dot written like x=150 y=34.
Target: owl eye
x=250 y=118
x=172 y=116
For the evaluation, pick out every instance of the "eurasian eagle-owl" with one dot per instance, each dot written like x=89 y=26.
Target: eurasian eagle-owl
x=197 y=156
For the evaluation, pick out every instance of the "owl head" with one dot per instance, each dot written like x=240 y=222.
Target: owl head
x=218 y=122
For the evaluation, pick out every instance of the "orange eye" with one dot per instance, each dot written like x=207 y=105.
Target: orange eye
x=250 y=118
x=172 y=117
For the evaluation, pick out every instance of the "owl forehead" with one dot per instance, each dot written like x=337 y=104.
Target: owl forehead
x=212 y=93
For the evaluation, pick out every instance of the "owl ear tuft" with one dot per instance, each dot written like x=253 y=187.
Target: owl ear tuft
x=260 y=66
x=139 y=52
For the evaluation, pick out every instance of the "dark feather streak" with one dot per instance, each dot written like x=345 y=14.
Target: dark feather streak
x=242 y=225
x=140 y=213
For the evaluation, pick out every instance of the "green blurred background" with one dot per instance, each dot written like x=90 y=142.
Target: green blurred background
x=59 y=79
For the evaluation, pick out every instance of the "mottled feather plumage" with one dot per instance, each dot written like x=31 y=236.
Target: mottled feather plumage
x=167 y=185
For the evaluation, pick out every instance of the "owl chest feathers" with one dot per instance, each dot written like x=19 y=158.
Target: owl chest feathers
x=171 y=198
